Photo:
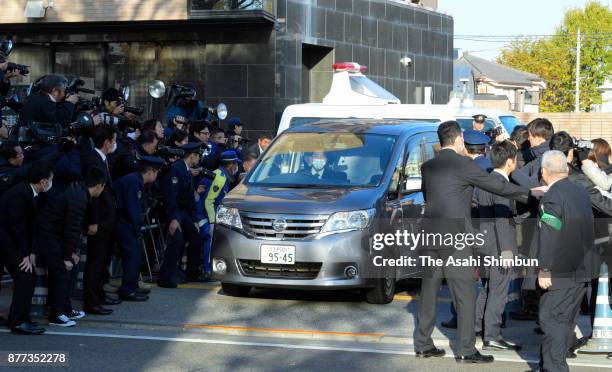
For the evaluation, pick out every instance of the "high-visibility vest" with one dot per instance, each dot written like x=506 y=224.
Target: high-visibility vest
x=215 y=189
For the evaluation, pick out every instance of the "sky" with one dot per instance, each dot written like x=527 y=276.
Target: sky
x=503 y=17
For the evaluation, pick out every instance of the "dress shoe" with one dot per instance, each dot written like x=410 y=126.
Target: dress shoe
x=450 y=324
x=142 y=291
x=111 y=301
x=475 y=358
x=500 y=345
x=163 y=284
x=27 y=329
x=99 y=310
x=433 y=352
x=570 y=355
x=134 y=297
x=109 y=288
x=582 y=341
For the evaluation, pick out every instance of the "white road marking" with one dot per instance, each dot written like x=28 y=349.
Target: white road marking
x=291 y=346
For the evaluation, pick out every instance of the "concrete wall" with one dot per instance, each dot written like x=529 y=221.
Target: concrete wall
x=585 y=125
x=97 y=11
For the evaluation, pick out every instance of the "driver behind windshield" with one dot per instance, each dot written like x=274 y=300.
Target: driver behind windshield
x=317 y=166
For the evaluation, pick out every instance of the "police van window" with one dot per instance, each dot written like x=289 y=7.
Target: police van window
x=303 y=160
x=466 y=123
x=395 y=179
x=416 y=157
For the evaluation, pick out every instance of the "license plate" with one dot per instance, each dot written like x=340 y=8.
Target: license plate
x=278 y=254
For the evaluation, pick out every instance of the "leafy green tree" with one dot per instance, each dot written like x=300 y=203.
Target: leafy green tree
x=554 y=58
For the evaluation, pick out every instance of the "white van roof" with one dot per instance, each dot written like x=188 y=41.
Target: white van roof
x=353 y=95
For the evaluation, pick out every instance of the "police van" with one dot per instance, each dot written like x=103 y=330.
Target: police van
x=354 y=96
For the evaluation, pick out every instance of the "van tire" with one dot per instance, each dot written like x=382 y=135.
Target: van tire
x=235 y=290
x=382 y=293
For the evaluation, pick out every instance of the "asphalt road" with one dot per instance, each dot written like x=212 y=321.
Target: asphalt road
x=197 y=327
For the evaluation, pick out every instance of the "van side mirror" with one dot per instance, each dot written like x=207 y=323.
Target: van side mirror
x=411 y=185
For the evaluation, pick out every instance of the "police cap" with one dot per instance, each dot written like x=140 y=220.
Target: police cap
x=151 y=161
x=230 y=155
x=480 y=118
x=472 y=137
x=191 y=148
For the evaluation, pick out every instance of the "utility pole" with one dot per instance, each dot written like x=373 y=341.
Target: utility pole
x=577 y=107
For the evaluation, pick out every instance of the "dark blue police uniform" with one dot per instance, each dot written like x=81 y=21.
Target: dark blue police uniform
x=129 y=191
x=179 y=194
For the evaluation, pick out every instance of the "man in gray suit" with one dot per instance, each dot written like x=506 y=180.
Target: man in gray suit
x=497 y=224
x=448 y=183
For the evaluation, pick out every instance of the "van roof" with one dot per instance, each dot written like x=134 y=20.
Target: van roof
x=369 y=126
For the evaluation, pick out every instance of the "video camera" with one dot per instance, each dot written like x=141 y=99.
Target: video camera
x=22 y=69
x=39 y=133
x=168 y=152
x=494 y=132
x=582 y=148
x=76 y=86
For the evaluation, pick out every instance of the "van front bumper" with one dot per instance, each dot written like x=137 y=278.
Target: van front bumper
x=320 y=263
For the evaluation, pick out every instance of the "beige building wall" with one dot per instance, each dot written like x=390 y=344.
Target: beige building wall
x=98 y=11
x=586 y=125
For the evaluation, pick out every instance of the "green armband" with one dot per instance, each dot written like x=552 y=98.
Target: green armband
x=551 y=220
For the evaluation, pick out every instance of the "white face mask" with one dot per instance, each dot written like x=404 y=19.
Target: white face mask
x=318 y=164
x=114 y=148
x=48 y=187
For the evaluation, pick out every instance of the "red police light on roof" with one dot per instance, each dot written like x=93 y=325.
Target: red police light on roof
x=349 y=66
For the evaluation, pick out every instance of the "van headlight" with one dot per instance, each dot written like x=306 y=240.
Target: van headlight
x=344 y=221
x=229 y=217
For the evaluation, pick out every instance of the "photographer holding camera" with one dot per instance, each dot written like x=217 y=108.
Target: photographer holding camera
x=51 y=104
x=183 y=106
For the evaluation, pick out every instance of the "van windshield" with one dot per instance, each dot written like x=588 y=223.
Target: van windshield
x=311 y=160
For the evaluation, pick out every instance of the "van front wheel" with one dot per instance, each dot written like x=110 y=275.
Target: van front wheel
x=382 y=293
x=235 y=290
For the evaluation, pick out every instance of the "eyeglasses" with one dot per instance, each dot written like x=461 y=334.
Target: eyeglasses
x=205 y=133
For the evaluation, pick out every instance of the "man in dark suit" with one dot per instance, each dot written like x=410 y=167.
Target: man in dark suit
x=59 y=235
x=262 y=144
x=100 y=222
x=50 y=105
x=566 y=256
x=18 y=210
x=317 y=166
x=448 y=185
x=497 y=224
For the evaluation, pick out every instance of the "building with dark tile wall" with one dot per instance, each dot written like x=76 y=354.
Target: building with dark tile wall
x=257 y=59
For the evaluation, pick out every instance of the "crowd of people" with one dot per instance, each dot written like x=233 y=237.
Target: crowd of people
x=539 y=194
x=98 y=182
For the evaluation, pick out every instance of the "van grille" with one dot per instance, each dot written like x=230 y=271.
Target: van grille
x=300 y=270
x=262 y=225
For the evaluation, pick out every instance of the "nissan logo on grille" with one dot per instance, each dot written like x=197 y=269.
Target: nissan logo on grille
x=279 y=225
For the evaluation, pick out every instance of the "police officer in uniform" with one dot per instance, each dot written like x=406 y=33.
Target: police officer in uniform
x=129 y=191
x=479 y=122
x=212 y=193
x=178 y=190
x=476 y=146
x=566 y=256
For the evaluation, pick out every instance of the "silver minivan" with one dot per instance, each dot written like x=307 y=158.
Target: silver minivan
x=305 y=215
